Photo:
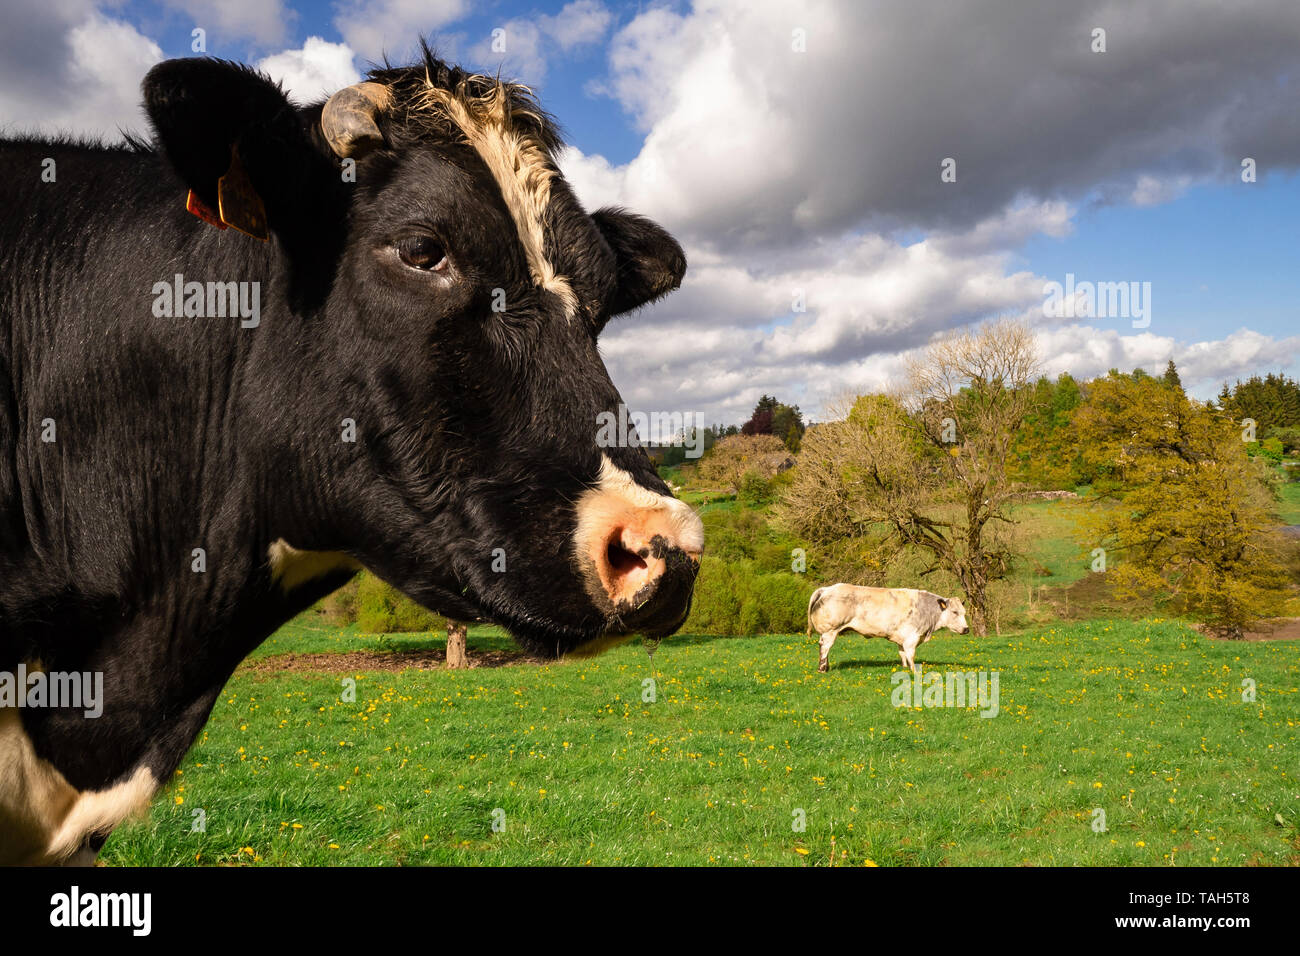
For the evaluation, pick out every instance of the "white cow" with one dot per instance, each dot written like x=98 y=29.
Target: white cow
x=905 y=616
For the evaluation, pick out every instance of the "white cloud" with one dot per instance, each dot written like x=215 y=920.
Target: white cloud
x=314 y=71
x=819 y=171
x=1009 y=229
x=1086 y=351
x=750 y=141
x=1153 y=190
x=731 y=332
x=595 y=180
x=579 y=23
x=264 y=21
x=375 y=28
x=95 y=90
x=523 y=46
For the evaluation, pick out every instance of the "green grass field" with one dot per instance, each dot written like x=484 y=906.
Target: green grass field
x=1289 y=504
x=308 y=634
x=1143 y=719
x=1051 y=530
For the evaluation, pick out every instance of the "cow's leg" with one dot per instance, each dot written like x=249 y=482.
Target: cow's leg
x=824 y=645
x=907 y=651
x=87 y=854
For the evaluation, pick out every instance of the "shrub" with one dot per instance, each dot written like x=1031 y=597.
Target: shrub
x=1289 y=437
x=735 y=598
x=1269 y=448
x=755 y=491
x=744 y=534
x=382 y=609
x=340 y=608
x=728 y=462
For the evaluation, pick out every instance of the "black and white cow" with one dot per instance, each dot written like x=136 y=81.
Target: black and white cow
x=906 y=616
x=416 y=390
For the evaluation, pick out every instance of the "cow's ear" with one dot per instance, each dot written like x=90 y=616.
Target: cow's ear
x=650 y=262
x=220 y=122
x=943 y=604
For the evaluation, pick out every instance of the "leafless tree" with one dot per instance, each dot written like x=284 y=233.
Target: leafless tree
x=925 y=468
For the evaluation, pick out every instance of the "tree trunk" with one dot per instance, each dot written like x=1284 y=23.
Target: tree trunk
x=457 y=657
x=977 y=616
x=975 y=588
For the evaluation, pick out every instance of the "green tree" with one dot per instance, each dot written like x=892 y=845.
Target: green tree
x=755 y=491
x=771 y=417
x=382 y=609
x=1272 y=402
x=1190 y=512
x=1045 y=451
x=787 y=425
x=1171 y=377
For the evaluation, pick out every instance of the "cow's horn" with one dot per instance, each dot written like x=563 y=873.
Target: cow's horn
x=348 y=119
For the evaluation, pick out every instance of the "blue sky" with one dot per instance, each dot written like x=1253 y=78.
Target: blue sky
x=594 y=122
x=794 y=148
x=1218 y=256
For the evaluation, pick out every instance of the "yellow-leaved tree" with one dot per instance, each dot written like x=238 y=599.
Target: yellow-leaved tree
x=732 y=458
x=1189 y=511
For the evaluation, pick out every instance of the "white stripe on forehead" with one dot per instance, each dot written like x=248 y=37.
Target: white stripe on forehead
x=522 y=170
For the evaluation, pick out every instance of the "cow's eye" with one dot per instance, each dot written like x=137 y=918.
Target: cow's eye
x=422 y=252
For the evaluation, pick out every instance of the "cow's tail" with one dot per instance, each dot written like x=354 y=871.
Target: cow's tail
x=812 y=606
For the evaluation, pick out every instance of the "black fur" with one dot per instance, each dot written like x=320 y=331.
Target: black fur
x=650 y=263
x=476 y=429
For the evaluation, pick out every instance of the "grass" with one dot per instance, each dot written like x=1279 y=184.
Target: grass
x=1054 y=552
x=1143 y=719
x=311 y=634
x=703 y=501
x=1289 y=504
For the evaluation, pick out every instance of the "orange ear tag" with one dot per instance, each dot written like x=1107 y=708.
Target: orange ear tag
x=197 y=207
x=238 y=202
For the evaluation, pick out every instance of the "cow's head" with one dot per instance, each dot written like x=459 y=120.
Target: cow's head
x=952 y=615
x=442 y=289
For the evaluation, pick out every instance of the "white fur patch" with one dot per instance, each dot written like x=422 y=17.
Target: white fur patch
x=618 y=511
x=618 y=486
x=99 y=811
x=44 y=819
x=522 y=169
x=291 y=568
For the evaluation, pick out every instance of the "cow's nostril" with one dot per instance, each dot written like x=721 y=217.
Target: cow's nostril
x=638 y=552
x=621 y=560
x=625 y=569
